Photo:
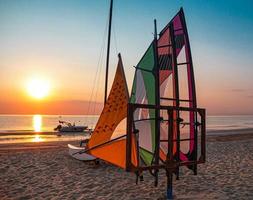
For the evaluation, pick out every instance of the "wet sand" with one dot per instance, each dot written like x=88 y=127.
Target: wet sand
x=46 y=171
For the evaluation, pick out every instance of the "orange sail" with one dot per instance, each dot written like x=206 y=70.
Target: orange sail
x=108 y=141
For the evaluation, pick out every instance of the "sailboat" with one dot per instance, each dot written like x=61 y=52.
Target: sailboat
x=158 y=126
x=74 y=150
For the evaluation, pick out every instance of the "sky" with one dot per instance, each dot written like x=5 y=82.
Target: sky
x=63 y=42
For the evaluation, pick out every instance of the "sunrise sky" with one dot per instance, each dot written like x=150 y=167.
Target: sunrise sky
x=59 y=43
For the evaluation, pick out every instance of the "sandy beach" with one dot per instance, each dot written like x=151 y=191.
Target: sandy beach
x=46 y=171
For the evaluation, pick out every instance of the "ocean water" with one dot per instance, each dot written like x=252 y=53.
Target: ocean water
x=39 y=128
x=42 y=123
x=232 y=122
x=20 y=128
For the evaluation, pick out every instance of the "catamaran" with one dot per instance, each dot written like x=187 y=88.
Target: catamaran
x=158 y=126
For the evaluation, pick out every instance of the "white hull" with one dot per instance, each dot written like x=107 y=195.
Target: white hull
x=73 y=152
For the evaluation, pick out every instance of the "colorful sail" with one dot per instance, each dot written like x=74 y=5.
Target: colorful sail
x=177 y=89
x=108 y=141
x=177 y=83
x=143 y=92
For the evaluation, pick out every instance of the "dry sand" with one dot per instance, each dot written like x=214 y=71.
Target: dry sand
x=46 y=171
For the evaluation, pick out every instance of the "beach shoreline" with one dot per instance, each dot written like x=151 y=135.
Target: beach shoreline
x=61 y=142
x=45 y=170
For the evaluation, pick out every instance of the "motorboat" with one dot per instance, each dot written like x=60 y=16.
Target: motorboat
x=68 y=127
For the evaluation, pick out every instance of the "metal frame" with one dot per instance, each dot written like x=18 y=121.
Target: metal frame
x=171 y=163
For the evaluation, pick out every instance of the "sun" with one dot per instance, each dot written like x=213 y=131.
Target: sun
x=38 y=88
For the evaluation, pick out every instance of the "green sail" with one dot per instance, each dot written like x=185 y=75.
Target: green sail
x=143 y=92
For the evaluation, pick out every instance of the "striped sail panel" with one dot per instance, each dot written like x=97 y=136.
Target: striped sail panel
x=185 y=82
x=143 y=92
x=112 y=125
x=187 y=88
x=167 y=85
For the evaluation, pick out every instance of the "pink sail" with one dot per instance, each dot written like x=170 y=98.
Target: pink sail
x=177 y=83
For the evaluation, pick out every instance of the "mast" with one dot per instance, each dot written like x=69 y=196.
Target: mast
x=157 y=103
x=176 y=95
x=108 y=51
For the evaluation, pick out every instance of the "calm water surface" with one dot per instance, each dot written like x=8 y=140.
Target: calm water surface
x=41 y=123
x=39 y=128
x=21 y=128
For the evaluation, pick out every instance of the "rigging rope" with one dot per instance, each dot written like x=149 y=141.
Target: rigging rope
x=93 y=100
x=115 y=39
x=95 y=86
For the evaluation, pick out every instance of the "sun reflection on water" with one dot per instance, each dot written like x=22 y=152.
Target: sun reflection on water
x=37 y=123
x=38 y=138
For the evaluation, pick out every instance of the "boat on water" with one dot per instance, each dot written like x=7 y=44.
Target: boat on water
x=68 y=127
x=163 y=129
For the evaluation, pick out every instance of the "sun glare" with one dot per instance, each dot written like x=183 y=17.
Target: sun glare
x=38 y=88
x=37 y=123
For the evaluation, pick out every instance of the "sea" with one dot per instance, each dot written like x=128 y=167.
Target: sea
x=39 y=128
